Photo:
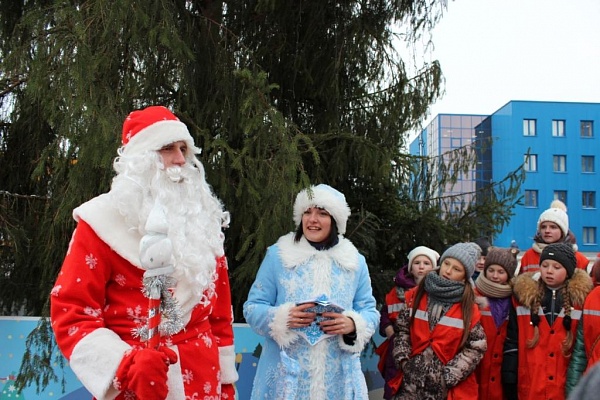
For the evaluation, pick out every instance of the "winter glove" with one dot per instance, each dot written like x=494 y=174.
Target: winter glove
x=144 y=372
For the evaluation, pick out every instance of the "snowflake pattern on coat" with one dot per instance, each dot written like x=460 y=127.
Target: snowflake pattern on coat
x=98 y=291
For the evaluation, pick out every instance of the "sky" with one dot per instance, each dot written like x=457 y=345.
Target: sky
x=495 y=51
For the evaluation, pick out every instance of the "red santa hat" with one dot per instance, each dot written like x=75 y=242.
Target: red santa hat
x=152 y=128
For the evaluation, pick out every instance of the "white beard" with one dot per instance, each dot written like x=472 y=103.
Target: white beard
x=195 y=217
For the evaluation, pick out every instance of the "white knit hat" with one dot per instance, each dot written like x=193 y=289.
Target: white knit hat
x=153 y=128
x=325 y=197
x=433 y=255
x=557 y=213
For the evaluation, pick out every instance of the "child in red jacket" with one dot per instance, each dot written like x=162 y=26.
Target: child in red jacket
x=421 y=260
x=439 y=339
x=542 y=326
x=552 y=227
x=493 y=289
x=587 y=347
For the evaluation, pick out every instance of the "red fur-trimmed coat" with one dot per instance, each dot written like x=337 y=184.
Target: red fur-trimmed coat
x=97 y=303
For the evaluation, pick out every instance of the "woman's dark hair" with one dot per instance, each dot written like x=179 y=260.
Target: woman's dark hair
x=328 y=243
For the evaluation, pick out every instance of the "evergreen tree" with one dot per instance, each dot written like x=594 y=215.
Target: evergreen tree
x=278 y=95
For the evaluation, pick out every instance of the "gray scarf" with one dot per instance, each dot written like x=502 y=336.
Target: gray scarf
x=442 y=293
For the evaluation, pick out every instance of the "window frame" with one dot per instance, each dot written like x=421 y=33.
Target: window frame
x=530 y=163
x=529 y=127
x=559 y=163
x=559 y=128
x=591 y=162
x=588 y=199
x=586 y=126
x=531 y=198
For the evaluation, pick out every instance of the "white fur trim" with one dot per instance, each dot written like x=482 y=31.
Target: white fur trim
x=101 y=214
x=175 y=378
x=95 y=360
x=227 y=361
x=323 y=196
x=158 y=135
x=293 y=254
x=363 y=333
x=280 y=331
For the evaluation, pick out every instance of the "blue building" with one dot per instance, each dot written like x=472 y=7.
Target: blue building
x=556 y=143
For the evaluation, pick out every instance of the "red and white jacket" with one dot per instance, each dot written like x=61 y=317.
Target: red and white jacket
x=97 y=303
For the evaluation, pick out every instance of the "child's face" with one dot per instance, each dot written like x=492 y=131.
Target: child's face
x=496 y=274
x=553 y=273
x=550 y=232
x=420 y=266
x=452 y=269
x=480 y=264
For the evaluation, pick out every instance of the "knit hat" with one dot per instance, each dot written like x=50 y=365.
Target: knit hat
x=557 y=213
x=423 y=251
x=153 y=128
x=325 y=197
x=466 y=253
x=505 y=258
x=562 y=253
x=484 y=244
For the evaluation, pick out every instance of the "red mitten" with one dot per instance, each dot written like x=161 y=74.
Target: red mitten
x=144 y=372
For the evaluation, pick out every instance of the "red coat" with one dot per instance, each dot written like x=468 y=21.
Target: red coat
x=591 y=327
x=444 y=339
x=394 y=304
x=542 y=370
x=530 y=262
x=489 y=369
x=96 y=304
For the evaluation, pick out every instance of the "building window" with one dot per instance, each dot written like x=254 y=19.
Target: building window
x=561 y=195
x=530 y=163
x=588 y=199
x=529 y=127
x=587 y=128
x=531 y=198
x=589 y=235
x=559 y=163
x=587 y=164
x=558 y=127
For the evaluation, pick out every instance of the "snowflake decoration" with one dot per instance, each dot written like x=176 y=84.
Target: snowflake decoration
x=91 y=261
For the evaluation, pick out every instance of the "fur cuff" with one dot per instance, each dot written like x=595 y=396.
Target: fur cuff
x=280 y=331
x=227 y=361
x=95 y=360
x=363 y=333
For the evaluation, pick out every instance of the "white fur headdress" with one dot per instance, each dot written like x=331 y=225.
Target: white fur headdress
x=326 y=197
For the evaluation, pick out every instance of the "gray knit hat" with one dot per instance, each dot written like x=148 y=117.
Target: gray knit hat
x=466 y=253
x=562 y=253
x=505 y=258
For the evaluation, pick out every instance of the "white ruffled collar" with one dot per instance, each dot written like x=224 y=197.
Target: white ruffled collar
x=297 y=253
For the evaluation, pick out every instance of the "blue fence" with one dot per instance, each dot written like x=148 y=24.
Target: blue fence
x=14 y=332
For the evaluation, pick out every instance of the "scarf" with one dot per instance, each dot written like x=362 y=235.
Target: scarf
x=498 y=297
x=442 y=293
x=491 y=289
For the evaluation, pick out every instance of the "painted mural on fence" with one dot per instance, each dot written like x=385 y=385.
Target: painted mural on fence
x=14 y=332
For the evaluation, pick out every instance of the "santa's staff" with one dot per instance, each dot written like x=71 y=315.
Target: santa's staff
x=156 y=256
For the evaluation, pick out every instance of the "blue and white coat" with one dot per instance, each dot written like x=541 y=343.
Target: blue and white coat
x=289 y=367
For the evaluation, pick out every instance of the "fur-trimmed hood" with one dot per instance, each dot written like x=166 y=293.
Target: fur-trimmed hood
x=527 y=290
